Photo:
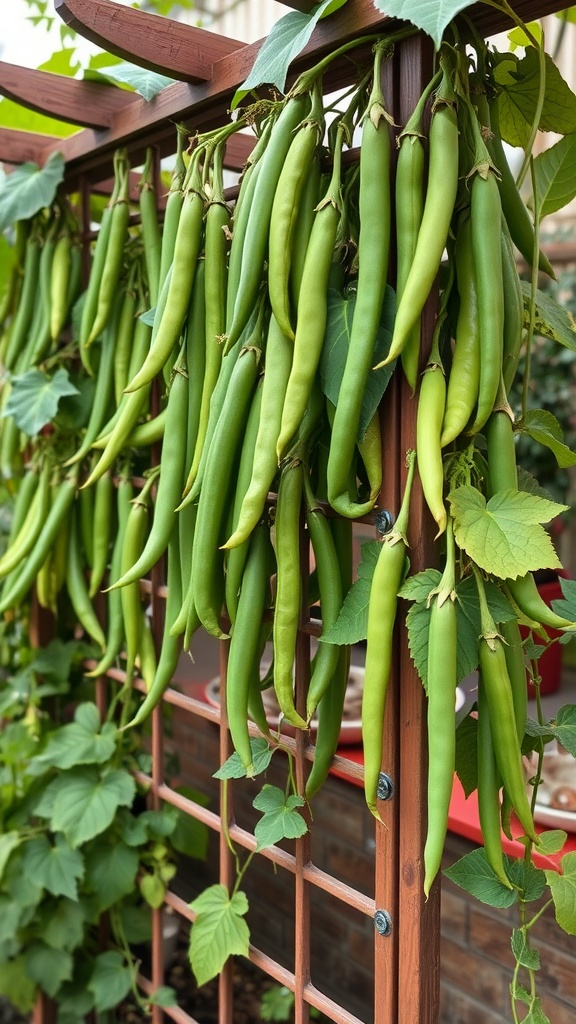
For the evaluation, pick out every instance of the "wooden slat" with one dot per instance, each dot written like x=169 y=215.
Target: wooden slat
x=89 y=104
x=418 y=919
x=160 y=44
x=238 y=149
x=18 y=147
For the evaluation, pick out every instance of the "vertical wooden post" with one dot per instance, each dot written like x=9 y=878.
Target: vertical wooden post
x=418 y=920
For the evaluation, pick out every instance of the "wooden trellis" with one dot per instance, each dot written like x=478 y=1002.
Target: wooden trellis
x=208 y=68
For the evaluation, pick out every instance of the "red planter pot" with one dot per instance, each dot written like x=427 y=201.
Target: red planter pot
x=550 y=664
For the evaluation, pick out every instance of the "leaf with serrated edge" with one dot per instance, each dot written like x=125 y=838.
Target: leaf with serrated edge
x=563 y=889
x=351 y=626
x=553 y=320
x=280 y=818
x=34 y=398
x=82 y=741
x=523 y=953
x=335 y=352
x=418 y=626
x=474 y=874
x=218 y=932
x=543 y=427
x=283 y=43
x=530 y=880
x=518 y=99
x=504 y=536
x=552 y=841
x=28 y=189
x=566 y=605
x=48 y=967
x=111 y=871
x=147 y=83
x=418 y=587
x=233 y=767
x=432 y=16
x=555 y=171
x=111 y=980
x=564 y=727
x=85 y=802
x=57 y=868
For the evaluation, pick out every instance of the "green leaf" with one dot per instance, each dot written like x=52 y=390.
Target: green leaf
x=523 y=953
x=504 y=536
x=81 y=742
x=48 y=967
x=29 y=189
x=351 y=626
x=519 y=82
x=277 y=1004
x=153 y=889
x=136 y=922
x=62 y=923
x=552 y=841
x=530 y=880
x=111 y=871
x=190 y=836
x=82 y=803
x=218 y=932
x=474 y=874
x=536 y=1014
x=17 y=985
x=163 y=996
x=148 y=317
x=147 y=83
x=543 y=427
x=500 y=608
x=62 y=62
x=566 y=605
x=34 y=398
x=284 y=42
x=529 y=483
x=11 y=914
x=563 y=889
x=8 y=843
x=555 y=171
x=335 y=352
x=55 y=660
x=432 y=16
x=553 y=320
x=280 y=818
x=418 y=587
x=111 y=980
x=466 y=761
x=564 y=727
x=233 y=767
x=56 y=868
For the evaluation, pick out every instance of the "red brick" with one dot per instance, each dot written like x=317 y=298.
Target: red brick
x=454 y=916
x=466 y=970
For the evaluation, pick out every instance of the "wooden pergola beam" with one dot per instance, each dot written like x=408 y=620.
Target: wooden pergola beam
x=159 y=44
x=20 y=147
x=88 y=104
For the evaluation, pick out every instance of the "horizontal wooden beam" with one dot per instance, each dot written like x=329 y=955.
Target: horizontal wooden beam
x=88 y=104
x=205 y=105
x=20 y=147
x=238 y=149
x=159 y=44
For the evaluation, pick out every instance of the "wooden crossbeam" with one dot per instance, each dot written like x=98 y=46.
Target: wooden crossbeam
x=159 y=44
x=19 y=147
x=88 y=104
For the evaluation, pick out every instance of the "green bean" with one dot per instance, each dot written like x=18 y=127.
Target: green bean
x=114 y=255
x=150 y=227
x=277 y=366
x=115 y=620
x=256 y=237
x=288 y=588
x=102 y=531
x=329 y=582
x=462 y=390
x=488 y=790
x=236 y=558
x=77 y=590
x=382 y=607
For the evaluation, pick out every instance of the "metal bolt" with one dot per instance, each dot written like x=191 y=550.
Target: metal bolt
x=385 y=790
x=382 y=922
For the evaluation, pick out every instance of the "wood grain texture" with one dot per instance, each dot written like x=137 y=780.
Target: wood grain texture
x=88 y=104
x=160 y=44
x=19 y=147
